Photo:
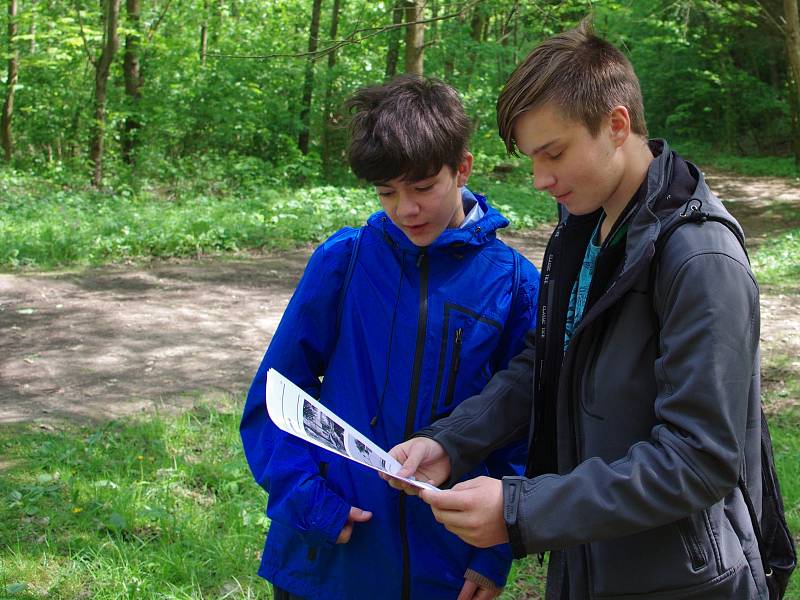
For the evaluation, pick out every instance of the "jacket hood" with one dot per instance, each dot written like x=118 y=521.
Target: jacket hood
x=674 y=187
x=476 y=234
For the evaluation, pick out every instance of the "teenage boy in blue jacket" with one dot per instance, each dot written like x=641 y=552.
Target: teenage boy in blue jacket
x=392 y=325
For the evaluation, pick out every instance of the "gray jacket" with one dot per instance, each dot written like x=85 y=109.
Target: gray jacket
x=647 y=420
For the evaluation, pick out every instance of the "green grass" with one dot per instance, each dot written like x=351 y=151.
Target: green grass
x=708 y=158
x=777 y=261
x=786 y=445
x=166 y=508
x=157 y=508
x=44 y=224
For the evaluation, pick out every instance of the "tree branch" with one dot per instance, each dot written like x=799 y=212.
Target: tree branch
x=152 y=31
x=89 y=54
x=350 y=39
x=781 y=27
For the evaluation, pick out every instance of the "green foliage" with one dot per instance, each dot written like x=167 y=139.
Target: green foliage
x=711 y=71
x=218 y=208
x=43 y=226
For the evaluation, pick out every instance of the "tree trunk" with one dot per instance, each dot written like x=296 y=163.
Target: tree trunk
x=476 y=25
x=204 y=34
x=11 y=83
x=415 y=36
x=308 y=86
x=394 y=40
x=102 y=69
x=793 y=52
x=329 y=122
x=133 y=80
x=33 y=27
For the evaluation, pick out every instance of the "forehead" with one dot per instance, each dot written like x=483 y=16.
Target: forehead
x=544 y=126
x=402 y=180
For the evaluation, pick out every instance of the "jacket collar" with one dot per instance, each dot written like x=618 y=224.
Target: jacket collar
x=475 y=234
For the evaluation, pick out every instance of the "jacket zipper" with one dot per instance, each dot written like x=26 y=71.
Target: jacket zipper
x=693 y=547
x=424 y=268
x=451 y=385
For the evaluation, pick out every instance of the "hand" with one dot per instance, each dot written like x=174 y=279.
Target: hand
x=356 y=516
x=472 y=591
x=473 y=510
x=423 y=459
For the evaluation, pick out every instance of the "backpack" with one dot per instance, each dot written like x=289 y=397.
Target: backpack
x=775 y=542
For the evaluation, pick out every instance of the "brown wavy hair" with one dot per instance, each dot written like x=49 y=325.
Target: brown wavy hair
x=582 y=74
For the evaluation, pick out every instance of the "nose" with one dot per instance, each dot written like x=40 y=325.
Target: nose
x=543 y=178
x=406 y=206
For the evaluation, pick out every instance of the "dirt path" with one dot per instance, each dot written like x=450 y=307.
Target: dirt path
x=114 y=341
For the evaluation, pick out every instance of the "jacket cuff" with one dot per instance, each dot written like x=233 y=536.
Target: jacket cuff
x=338 y=510
x=492 y=564
x=481 y=580
x=512 y=494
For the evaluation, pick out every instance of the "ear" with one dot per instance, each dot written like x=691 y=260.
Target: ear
x=619 y=122
x=464 y=170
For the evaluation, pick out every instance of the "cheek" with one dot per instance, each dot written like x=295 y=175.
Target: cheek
x=386 y=204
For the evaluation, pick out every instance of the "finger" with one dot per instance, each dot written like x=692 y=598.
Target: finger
x=468 y=591
x=452 y=499
x=399 y=452
x=358 y=515
x=345 y=533
x=455 y=520
x=398 y=484
x=414 y=456
x=487 y=594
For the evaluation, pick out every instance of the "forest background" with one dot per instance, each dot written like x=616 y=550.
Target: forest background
x=158 y=129
x=177 y=127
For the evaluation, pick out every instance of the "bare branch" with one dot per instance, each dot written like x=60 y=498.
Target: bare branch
x=89 y=54
x=152 y=31
x=781 y=27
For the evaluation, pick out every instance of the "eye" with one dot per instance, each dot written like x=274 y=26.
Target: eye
x=385 y=193
x=424 y=188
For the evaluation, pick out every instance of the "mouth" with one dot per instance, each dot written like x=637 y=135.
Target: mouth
x=414 y=228
x=561 y=197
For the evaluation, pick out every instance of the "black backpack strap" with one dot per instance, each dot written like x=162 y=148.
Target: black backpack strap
x=693 y=213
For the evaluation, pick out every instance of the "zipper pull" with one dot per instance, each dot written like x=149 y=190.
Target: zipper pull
x=420 y=256
x=457 y=349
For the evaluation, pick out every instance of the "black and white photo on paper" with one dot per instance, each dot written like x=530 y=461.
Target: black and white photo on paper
x=322 y=428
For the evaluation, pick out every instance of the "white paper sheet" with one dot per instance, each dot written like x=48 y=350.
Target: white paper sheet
x=295 y=412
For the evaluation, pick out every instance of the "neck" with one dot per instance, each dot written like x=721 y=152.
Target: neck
x=636 y=157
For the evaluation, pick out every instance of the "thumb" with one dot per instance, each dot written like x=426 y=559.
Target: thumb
x=415 y=455
x=359 y=516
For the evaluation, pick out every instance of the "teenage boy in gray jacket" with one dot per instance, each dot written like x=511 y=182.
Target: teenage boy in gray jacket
x=639 y=389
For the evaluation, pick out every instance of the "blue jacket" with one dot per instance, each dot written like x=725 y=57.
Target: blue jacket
x=417 y=331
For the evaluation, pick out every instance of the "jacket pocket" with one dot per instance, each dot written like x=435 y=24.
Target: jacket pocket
x=655 y=562
x=691 y=543
x=465 y=335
